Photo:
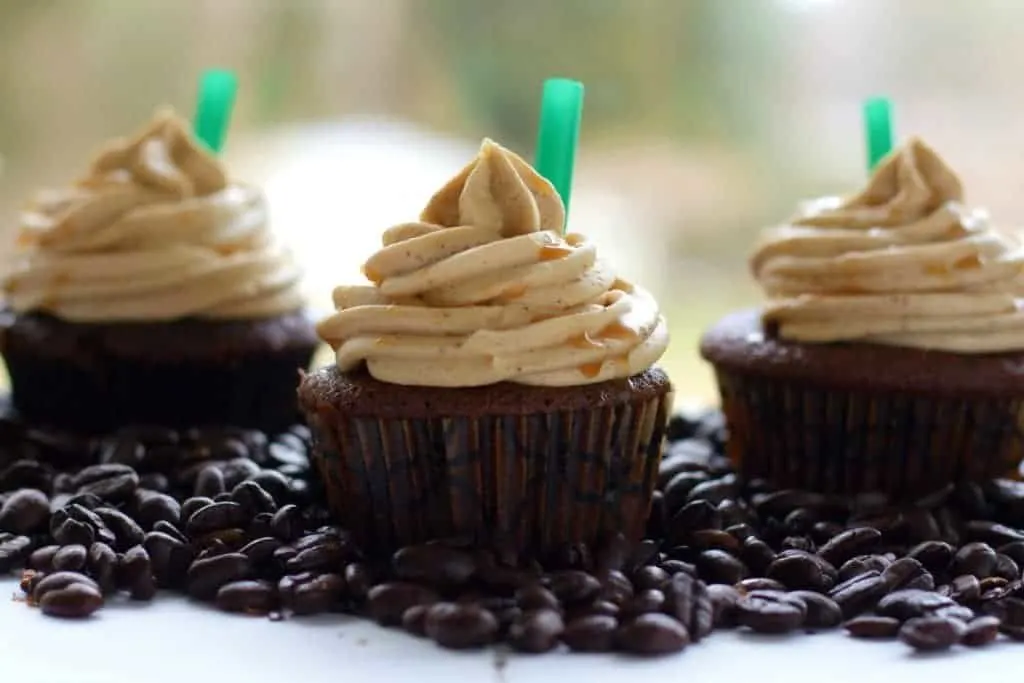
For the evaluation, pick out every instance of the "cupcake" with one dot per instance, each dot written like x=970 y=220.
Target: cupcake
x=151 y=291
x=495 y=381
x=889 y=355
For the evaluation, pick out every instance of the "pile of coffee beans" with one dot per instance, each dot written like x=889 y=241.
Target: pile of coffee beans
x=236 y=518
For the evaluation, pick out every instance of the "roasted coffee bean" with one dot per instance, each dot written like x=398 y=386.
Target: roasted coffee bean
x=26 y=474
x=652 y=634
x=906 y=572
x=862 y=564
x=24 y=511
x=770 y=612
x=718 y=566
x=215 y=517
x=966 y=588
x=14 y=550
x=112 y=482
x=72 y=601
x=58 y=581
x=135 y=574
x=850 y=543
x=460 y=626
x=799 y=570
x=759 y=583
x=932 y=633
x=253 y=498
x=873 y=626
x=414 y=620
x=980 y=631
x=699 y=514
x=260 y=550
x=191 y=505
x=41 y=559
x=992 y=582
x=757 y=555
x=650 y=577
x=387 y=602
x=72 y=531
x=615 y=587
x=536 y=597
x=435 y=564
x=537 y=631
x=908 y=604
x=101 y=561
x=156 y=507
x=798 y=543
x=678 y=489
x=1006 y=567
x=961 y=612
x=170 y=530
x=209 y=482
x=571 y=586
x=287 y=523
x=822 y=611
x=320 y=594
x=859 y=594
x=274 y=483
x=595 y=633
x=1014 y=550
x=69 y=558
x=358 y=579
x=247 y=597
x=326 y=555
x=714 y=491
x=206 y=576
x=673 y=567
x=650 y=600
x=126 y=531
x=723 y=601
x=976 y=558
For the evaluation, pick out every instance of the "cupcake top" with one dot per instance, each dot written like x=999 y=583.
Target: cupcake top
x=153 y=232
x=903 y=262
x=485 y=289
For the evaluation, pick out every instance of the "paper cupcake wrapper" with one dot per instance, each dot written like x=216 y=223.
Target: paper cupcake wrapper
x=800 y=436
x=539 y=481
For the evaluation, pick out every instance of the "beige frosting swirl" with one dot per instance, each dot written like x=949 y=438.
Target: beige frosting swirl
x=902 y=263
x=153 y=232
x=484 y=289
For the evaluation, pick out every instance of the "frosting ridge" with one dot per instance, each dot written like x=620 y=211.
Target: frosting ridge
x=484 y=289
x=903 y=262
x=154 y=231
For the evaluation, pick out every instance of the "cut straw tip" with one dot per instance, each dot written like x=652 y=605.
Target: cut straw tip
x=215 y=101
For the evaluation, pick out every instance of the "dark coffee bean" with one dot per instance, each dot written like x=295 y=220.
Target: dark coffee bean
x=594 y=633
x=537 y=631
x=14 y=550
x=718 y=566
x=571 y=586
x=966 y=588
x=976 y=558
x=206 y=576
x=598 y=607
x=757 y=555
x=1015 y=551
x=70 y=558
x=932 y=633
x=24 y=511
x=873 y=626
x=215 y=517
x=921 y=525
x=650 y=577
x=26 y=474
x=673 y=567
x=799 y=570
x=536 y=597
x=253 y=498
x=247 y=597
x=723 y=601
x=74 y=601
x=414 y=620
x=209 y=482
x=907 y=604
x=102 y=564
x=652 y=634
x=859 y=594
x=358 y=579
x=799 y=543
x=822 y=611
x=460 y=627
x=615 y=587
x=904 y=571
x=321 y=594
x=993 y=533
x=387 y=602
x=434 y=564
x=59 y=581
x=699 y=514
x=714 y=539
x=822 y=532
x=170 y=530
x=327 y=555
x=980 y=631
x=1006 y=567
x=112 y=482
x=135 y=573
x=770 y=612
x=127 y=532
x=260 y=550
x=650 y=600
x=644 y=553
x=850 y=543
x=41 y=559
x=714 y=491
x=740 y=532
x=678 y=489
x=759 y=584
x=193 y=504
x=288 y=523
x=274 y=483
x=964 y=614
x=990 y=583
x=158 y=507
x=73 y=531
x=862 y=564
x=781 y=503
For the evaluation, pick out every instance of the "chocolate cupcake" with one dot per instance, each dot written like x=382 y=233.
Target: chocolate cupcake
x=151 y=291
x=891 y=353
x=495 y=382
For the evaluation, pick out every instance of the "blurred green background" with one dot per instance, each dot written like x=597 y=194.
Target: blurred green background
x=704 y=121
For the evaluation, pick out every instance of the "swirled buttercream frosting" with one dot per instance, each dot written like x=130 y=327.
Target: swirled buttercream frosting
x=484 y=289
x=904 y=263
x=153 y=232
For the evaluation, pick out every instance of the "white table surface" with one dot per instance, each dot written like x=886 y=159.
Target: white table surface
x=173 y=641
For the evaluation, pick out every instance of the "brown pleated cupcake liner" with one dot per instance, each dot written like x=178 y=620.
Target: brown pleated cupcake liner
x=833 y=441
x=538 y=481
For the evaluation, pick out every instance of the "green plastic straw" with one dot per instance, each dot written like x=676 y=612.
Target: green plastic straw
x=558 y=137
x=878 y=129
x=217 y=88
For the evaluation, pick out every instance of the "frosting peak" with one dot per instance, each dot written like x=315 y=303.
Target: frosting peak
x=902 y=262
x=154 y=231
x=484 y=289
